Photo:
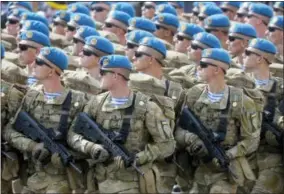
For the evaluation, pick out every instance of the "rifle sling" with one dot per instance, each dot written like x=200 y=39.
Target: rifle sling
x=271 y=103
x=63 y=123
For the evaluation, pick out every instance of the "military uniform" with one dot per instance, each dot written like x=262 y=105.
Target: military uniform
x=145 y=135
x=241 y=130
x=52 y=177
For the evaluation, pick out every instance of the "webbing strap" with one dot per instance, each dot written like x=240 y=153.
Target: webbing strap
x=270 y=104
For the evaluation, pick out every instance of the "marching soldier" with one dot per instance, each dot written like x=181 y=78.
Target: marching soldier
x=99 y=12
x=146 y=138
x=46 y=106
x=148 y=9
x=237 y=132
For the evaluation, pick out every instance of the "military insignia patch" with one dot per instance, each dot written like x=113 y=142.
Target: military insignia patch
x=105 y=62
x=27 y=24
x=198 y=36
x=183 y=27
x=94 y=41
x=24 y=17
x=81 y=30
x=253 y=42
x=77 y=17
x=161 y=18
x=62 y=14
x=161 y=8
x=208 y=52
x=133 y=22
x=209 y=21
x=132 y=37
x=145 y=40
x=46 y=51
x=29 y=34
x=202 y=9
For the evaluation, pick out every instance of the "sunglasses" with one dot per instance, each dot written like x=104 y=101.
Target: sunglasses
x=130 y=45
x=75 y=40
x=160 y=27
x=40 y=62
x=13 y=21
x=98 y=9
x=196 y=47
x=225 y=10
x=204 y=65
x=232 y=38
x=211 y=30
x=277 y=10
x=58 y=24
x=71 y=28
x=201 y=18
x=195 y=13
x=89 y=53
x=140 y=54
x=248 y=53
x=103 y=72
x=149 y=7
x=271 y=29
x=110 y=25
x=241 y=15
x=180 y=38
x=23 y=47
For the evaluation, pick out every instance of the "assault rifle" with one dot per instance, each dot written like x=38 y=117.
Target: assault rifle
x=29 y=127
x=85 y=126
x=191 y=123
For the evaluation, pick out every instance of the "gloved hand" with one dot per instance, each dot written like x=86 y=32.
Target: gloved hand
x=197 y=148
x=98 y=153
x=39 y=153
x=56 y=161
x=271 y=138
x=119 y=163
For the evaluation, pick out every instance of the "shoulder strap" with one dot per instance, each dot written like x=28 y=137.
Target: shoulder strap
x=30 y=99
x=167 y=82
x=100 y=104
x=63 y=123
x=271 y=103
x=195 y=94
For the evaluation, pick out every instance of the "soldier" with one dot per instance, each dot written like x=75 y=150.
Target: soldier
x=139 y=23
x=242 y=12
x=278 y=8
x=99 y=12
x=51 y=98
x=239 y=37
x=77 y=20
x=33 y=16
x=258 y=16
x=133 y=38
x=167 y=25
x=258 y=56
x=35 y=25
x=188 y=75
x=114 y=176
x=148 y=9
x=87 y=79
x=206 y=11
x=274 y=33
x=218 y=25
x=230 y=8
x=165 y=8
x=237 y=132
x=60 y=21
x=124 y=7
x=117 y=23
x=78 y=8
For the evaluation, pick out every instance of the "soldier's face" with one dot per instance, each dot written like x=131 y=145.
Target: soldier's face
x=141 y=61
x=107 y=80
x=99 y=13
x=252 y=20
x=181 y=44
x=77 y=48
x=40 y=72
x=12 y=28
x=148 y=11
x=231 y=14
x=70 y=33
x=58 y=29
x=27 y=55
x=194 y=53
x=130 y=50
x=235 y=45
x=250 y=61
x=239 y=17
x=88 y=61
x=208 y=73
x=274 y=35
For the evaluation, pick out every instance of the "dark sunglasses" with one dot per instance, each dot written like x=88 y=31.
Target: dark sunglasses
x=204 y=65
x=24 y=47
x=130 y=45
x=241 y=15
x=160 y=27
x=71 y=28
x=149 y=7
x=13 y=21
x=140 y=54
x=277 y=10
x=271 y=29
x=248 y=53
x=110 y=25
x=89 y=53
x=40 y=62
x=195 y=13
x=75 y=40
x=104 y=72
x=98 y=9
x=201 y=18
x=180 y=38
x=58 y=24
x=225 y=10
x=196 y=47
x=232 y=38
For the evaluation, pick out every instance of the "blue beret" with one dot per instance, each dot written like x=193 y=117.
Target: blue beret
x=142 y=24
x=35 y=25
x=167 y=20
x=119 y=16
x=261 y=10
x=136 y=36
x=115 y=61
x=62 y=16
x=34 y=38
x=231 y=5
x=209 y=9
x=189 y=30
x=217 y=21
x=279 y=5
x=156 y=44
x=99 y=45
x=22 y=4
x=79 y=8
x=165 y=8
x=124 y=7
x=80 y=19
x=54 y=56
x=216 y=56
x=16 y=14
x=180 y=4
x=34 y=16
x=277 y=22
x=263 y=47
x=243 y=31
x=244 y=8
x=85 y=31
x=2 y=51
x=206 y=40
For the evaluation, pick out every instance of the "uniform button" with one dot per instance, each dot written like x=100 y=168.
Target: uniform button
x=235 y=104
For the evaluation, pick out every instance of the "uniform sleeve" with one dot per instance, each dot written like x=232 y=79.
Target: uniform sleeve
x=163 y=143
x=250 y=128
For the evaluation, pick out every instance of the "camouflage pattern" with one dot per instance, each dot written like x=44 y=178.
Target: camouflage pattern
x=12 y=73
x=176 y=59
x=150 y=137
x=11 y=41
x=12 y=57
x=277 y=69
x=279 y=58
x=58 y=40
x=51 y=178
x=242 y=137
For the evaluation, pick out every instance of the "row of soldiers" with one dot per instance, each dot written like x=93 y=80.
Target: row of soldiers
x=137 y=79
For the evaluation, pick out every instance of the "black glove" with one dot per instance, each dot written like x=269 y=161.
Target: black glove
x=41 y=154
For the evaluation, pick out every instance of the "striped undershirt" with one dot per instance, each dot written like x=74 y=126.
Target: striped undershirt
x=51 y=96
x=119 y=101
x=259 y=82
x=215 y=97
x=31 y=80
